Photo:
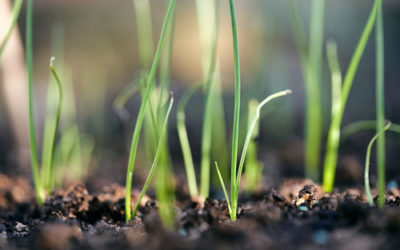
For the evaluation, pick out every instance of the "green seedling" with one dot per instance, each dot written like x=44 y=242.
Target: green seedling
x=367 y=162
x=209 y=65
x=40 y=180
x=232 y=204
x=165 y=192
x=157 y=156
x=72 y=152
x=236 y=112
x=334 y=129
x=212 y=96
x=184 y=141
x=14 y=17
x=139 y=121
x=380 y=106
x=311 y=62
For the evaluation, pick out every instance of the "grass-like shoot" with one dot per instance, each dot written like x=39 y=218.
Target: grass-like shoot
x=380 y=106
x=311 y=63
x=211 y=97
x=157 y=155
x=14 y=17
x=49 y=172
x=40 y=193
x=184 y=141
x=366 y=170
x=233 y=201
x=208 y=110
x=334 y=129
x=140 y=118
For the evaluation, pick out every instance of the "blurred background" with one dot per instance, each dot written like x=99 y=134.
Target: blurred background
x=100 y=55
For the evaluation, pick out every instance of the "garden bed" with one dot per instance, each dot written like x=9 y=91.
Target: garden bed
x=273 y=218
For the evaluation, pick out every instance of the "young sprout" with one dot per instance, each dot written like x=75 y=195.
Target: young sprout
x=235 y=136
x=157 y=155
x=380 y=106
x=208 y=87
x=232 y=204
x=14 y=16
x=334 y=129
x=209 y=69
x=139 y=121
x=39 y=189
x=49 y=173
x=184 y=141
x=311 y=61
x=367 y=160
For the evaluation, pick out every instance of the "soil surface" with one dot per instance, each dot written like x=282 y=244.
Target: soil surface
x=292 y=215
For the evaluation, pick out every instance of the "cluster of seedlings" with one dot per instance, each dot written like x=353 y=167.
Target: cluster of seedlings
x=157 y=102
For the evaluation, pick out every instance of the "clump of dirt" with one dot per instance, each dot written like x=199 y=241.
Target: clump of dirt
x=293 y=215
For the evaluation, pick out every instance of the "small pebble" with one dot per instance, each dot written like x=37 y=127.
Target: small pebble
x=302 y=208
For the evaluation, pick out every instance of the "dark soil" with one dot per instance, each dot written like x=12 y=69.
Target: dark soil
x=293 y=215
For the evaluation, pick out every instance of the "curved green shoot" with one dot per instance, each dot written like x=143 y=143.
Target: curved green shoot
x=50 y=171
x=367 y=160
x=40 y=193
x=184 y=141
x=334 y=137
x=236 y=181
x=14 y=16
x=139 y=121
x=236 y=115
x=380 y=106
x=355 y=127
x=250 y=133
x=157 y=155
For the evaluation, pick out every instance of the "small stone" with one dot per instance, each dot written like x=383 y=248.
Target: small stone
x=307 y=195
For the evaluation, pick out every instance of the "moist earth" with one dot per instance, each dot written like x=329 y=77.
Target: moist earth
x=293 y=215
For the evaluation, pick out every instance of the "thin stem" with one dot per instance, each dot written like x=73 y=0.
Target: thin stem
x=380 y=107
x=314 y=113
x=235 y=136
x=157 y=155
x=367 y=160
x=32 y=138
x=313 y=119
x=14 y=17
x=231 y=212
x=207 y=121
x=139 y=121
x=249 y=135
x=50 y=177
x=183 y=138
